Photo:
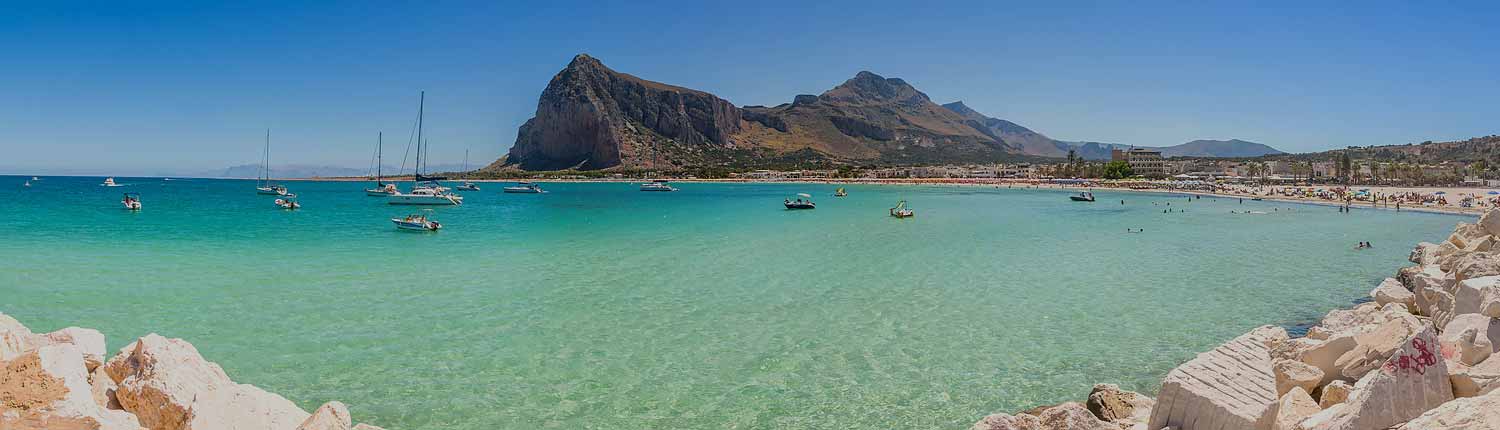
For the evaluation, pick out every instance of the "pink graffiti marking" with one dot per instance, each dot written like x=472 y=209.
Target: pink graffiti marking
x=1417 y=363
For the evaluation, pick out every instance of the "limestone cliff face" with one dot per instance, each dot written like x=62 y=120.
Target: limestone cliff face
x=591 y=117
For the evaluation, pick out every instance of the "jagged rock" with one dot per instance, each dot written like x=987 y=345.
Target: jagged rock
x=1430 y=280
x=331 y=416
x=1361 y=315
x=1124 y=408
x=1323 y=419
x=1475 y=265
x=1372 y=348
x=1319 y=333
x=1334 y=393
x=47 y=388
x=1484 y=244
x=1413 y=380
x=1479 y=295
x=89 y=340
x=1406 y=276
x=102 y=389
x=1465 y=233
x=1482 y=378
x=1470 y=338
x=1477 y=413
x=1419 y=253
x=1447 y=254
x=1490 y=222
x=1391 y=291
x=1296 y=374
x=1325 y=354
x=592 y=117
x=1233 y=384
x=15 y=338
x=1073 y=416
x=1008 y=422
x=1293 y=407
x=169 y=386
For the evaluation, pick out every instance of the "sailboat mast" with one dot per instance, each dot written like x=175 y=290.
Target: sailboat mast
x=267 y=158
x=379 y=154
x=421 y=106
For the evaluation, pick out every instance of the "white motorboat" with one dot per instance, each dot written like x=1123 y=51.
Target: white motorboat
x=418 y=222
x=901 y=211
x=425 y=190
x=109 y=182
x=288 y=202
x=381 y=189
x=804 y=201
x=1082 y=197
x=657 y=185
x=131 y=201
x=525 y=188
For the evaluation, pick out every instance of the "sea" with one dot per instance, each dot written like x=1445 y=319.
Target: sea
x=599 y=306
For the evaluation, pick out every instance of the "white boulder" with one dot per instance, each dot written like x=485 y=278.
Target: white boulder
x=169 y=386
x=1482 y=378
x=47 y=388
x=1391 y=291
x=1412 y=381
x=1490 y=222
x=1372 y=348
x=1295 y=374
x=15 y=338
x=1476 y=413
x=1292 y=408
x=331 y=416
x=1124 y=408
x=1334 y=393
x=1470 y=338
x=1007 y=422
x=1232 y=385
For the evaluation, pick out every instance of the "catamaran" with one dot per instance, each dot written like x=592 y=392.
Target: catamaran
x=657 y=185
x=381 y=189
x=524 y=188
x=424 y=191
x=131 y=201
x=467 y=186
x=263 y=185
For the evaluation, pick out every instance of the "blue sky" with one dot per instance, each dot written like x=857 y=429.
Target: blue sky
x=192 y=87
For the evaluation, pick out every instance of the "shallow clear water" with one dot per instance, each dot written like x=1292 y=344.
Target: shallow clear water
x=603 y=307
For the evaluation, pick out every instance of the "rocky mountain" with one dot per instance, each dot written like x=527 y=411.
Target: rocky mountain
x=592 y=117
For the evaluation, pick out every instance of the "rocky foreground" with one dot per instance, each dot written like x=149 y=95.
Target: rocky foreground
x=61 y=381
x=1420 y=356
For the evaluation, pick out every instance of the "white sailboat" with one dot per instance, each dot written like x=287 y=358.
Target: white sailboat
x=467 y=185
x=381 y=189
x=263 y=185
x=424 y=191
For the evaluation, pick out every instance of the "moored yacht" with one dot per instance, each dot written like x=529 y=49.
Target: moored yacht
x=263 y=185
x=381 y=189
x=524 y=188
x=424 y=190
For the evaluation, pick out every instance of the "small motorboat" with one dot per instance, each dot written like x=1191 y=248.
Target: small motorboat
x=131 y=201
x=418 y=222
x=803 y=201
x=109 y=182
x=27 y=184
x=1083 y=197
x=657 y=185
x=901 y=211
x=840 y=192
x=467 y=186
x=288 y=202
x=524 y=188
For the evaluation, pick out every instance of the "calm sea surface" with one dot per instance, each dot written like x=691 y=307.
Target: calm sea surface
x=598 y=306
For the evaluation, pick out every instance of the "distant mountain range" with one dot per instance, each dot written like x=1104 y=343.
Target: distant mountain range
x=314 y=171
x=592 y=117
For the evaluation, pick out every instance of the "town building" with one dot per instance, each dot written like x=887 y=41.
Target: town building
x=1143 y=161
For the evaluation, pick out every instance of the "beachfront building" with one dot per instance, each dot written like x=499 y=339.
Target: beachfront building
x=1143 y=161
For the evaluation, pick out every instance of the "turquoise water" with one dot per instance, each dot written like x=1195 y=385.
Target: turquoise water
x=597 y=306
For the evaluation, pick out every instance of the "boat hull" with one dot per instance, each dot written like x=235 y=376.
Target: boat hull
x=374 y=193
x=521 y=190
x=800 y=206
x=413 y=226
x=421 y=200
x=1080 y=199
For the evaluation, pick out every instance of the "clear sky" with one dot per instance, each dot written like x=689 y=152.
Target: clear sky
x=192 y=87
